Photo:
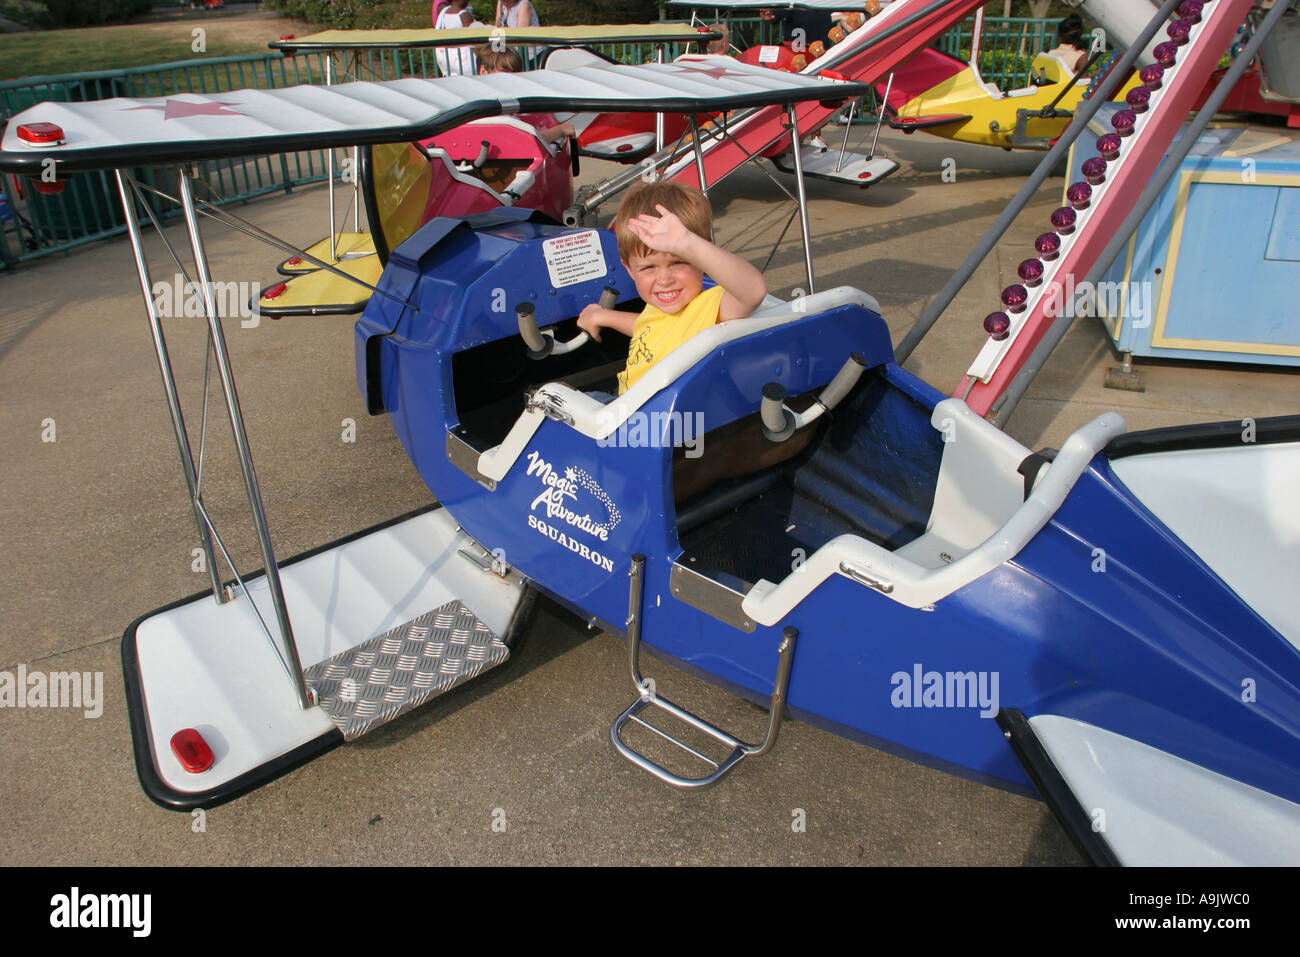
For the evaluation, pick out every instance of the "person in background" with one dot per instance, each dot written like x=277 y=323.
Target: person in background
x=454 y=15
x=516 y=13
x=509 y=61
x=519 y=13
x=1072 y=43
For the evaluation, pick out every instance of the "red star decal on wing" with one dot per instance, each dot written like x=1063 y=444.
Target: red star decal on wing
x=717 y=72
x=177 y=109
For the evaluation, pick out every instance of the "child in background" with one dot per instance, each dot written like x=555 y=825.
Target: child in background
x=491 y=60
x=664 y=243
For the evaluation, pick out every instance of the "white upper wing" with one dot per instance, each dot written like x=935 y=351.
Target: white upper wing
x=124 y=132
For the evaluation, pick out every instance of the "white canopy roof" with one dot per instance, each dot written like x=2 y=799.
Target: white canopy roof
x=125 y=132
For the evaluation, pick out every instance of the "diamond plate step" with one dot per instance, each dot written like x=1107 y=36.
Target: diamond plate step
x=380 y=679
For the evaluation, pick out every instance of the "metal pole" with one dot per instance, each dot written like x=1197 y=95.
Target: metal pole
x=780 y=692
x=803 y=198
x=848 y=125
x=659 y=117
x=636 y=589
x=880 y=115
x=329 y=81
x=169 y=383
x=356 y=189
x=699 y=155
x=293 y=663
x=1016 y=388
x=1081 y=117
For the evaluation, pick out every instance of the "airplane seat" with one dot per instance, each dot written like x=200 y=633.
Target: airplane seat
x=597 y=419
x=977 y=490
x=1048 y=68
x=980 y=519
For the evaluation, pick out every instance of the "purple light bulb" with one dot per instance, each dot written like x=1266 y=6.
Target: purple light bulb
x=1030 y=272
x=1190 y=10
x=1166 y=54
x=1014 y=298
x=1094 y=170
x=1048 y=246
x=1152 y=76
x=1123 y=122
x=1178 y=32
x=1079 y=195
x=997 y=325
x=1108 y=146
x=1063 y=220
x=1138 y=99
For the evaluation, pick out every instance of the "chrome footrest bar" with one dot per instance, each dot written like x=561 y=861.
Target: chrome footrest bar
x=648 y=698
x=738 y=748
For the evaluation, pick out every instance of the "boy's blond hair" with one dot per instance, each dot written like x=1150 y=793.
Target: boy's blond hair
x=498 y=61
x=685 y=202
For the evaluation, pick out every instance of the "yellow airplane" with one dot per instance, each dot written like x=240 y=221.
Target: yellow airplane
x=946 y=97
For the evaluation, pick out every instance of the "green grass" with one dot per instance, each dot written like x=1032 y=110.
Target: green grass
x=107 y=48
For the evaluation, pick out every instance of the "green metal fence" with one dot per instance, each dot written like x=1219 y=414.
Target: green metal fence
x=1007 y=46
x=87 y=209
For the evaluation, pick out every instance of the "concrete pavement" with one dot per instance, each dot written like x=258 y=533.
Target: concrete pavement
x=96 y=531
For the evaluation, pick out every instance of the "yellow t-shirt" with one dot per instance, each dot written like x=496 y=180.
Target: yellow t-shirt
x=657 y=333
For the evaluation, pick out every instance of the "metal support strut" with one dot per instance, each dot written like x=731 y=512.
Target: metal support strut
x=292 y=661
x=648 y=698
x=169 y=383
x=803 y=198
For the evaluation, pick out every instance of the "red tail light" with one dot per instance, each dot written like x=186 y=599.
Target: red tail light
x=40 y=134
x=191 y=750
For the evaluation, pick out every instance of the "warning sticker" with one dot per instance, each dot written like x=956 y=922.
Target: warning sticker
x=576 y=257
x=769 y=54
